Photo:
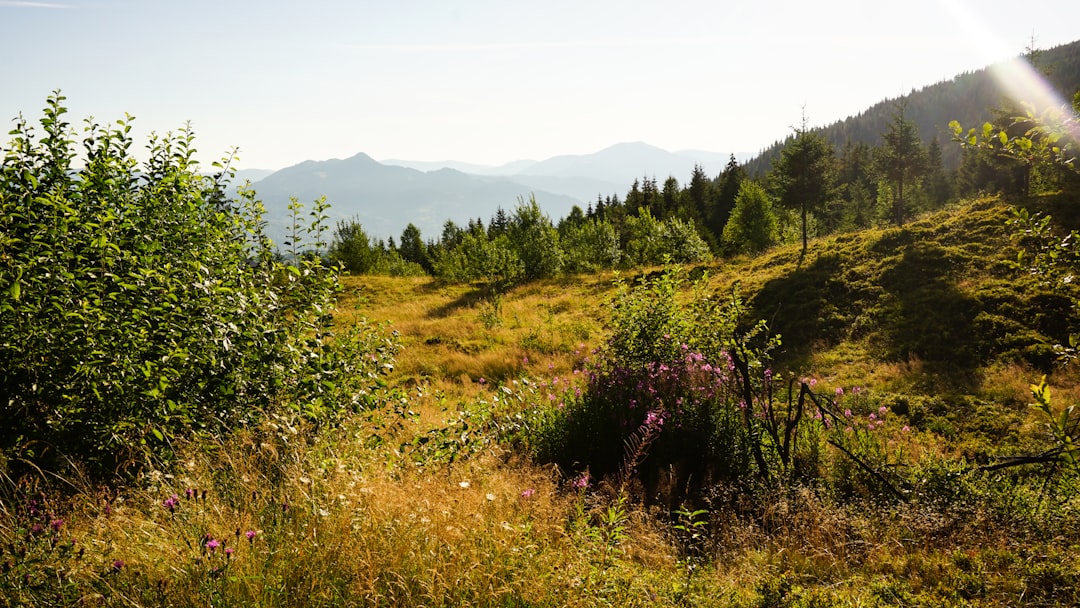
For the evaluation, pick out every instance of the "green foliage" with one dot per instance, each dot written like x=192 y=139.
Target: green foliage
x=535 y=241
x=803 y=176
x=143 y=304
x=477 y=258
x=589 y=246
x=351 y=248
x=1037 y=141
x=753 y=226
x=901 y=161
x=1062 y=425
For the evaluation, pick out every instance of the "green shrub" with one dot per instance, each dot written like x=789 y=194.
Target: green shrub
x=144 y=304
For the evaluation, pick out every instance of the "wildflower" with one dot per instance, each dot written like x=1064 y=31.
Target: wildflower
x=653 y=419
x=118 y=565
x=56 y=524
x=582 y=481
x=527 y=493
x=250 y=535
x=839 y=391
x=171 y=502
x=906 y=429
x=190 y=493
x=481 y=382
x=847 y=413
x=882 y=410
x=464 y=484
x=212 y=544
x=490 y=496
x=228 y=552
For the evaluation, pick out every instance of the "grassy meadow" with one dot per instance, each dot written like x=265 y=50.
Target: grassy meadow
x=433 y=499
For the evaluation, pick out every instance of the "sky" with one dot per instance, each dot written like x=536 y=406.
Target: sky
x=488 y=81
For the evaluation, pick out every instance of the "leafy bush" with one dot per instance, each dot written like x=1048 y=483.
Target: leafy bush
x=144 y=304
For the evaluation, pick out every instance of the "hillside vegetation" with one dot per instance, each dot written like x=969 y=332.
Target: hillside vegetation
x=436 y=496
x=737 y=393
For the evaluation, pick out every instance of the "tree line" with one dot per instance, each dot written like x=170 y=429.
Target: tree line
x=812 y=188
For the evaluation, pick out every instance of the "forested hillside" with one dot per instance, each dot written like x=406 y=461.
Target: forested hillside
x=969 y=98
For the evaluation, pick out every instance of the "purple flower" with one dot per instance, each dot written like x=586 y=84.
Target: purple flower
x=190 y=493
x=212 y=544
x=582 y=481
x=171 y=502
x=228 y=552
x=57 y=524
x=118 y=565
x=481 y=381
x=250 y=535
x=527 y=493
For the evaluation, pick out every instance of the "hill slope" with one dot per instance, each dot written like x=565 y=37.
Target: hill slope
x=966 y=98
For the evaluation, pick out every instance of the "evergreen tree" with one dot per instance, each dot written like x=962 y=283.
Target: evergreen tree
x=938 y=184
x=728 y=185
x=669 y=198
x=856 y=187
x=412 y=247
x=901 y=160
x=753 y=226
x=802 y=178
x=352 y=248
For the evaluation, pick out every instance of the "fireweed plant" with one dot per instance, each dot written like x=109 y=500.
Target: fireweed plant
x=682 y=397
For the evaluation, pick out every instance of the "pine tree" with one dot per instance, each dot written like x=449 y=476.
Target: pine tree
x=803 y=176
x=901 y=160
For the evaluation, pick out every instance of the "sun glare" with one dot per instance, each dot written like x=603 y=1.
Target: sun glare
x=1021 y=80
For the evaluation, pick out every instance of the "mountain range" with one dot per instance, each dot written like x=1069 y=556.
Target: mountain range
x=386 y=196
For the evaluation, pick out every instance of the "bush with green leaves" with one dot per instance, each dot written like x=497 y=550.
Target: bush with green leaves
x=144 y=305
x=650 y=241
x=590 y=245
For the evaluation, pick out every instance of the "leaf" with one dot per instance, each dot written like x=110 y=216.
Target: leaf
x=1003 y=138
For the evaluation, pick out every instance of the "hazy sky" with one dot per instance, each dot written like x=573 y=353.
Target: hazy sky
x=490 y=81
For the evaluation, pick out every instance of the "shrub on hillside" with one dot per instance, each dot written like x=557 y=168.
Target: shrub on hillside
x=144 y=304
x=681 y=395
